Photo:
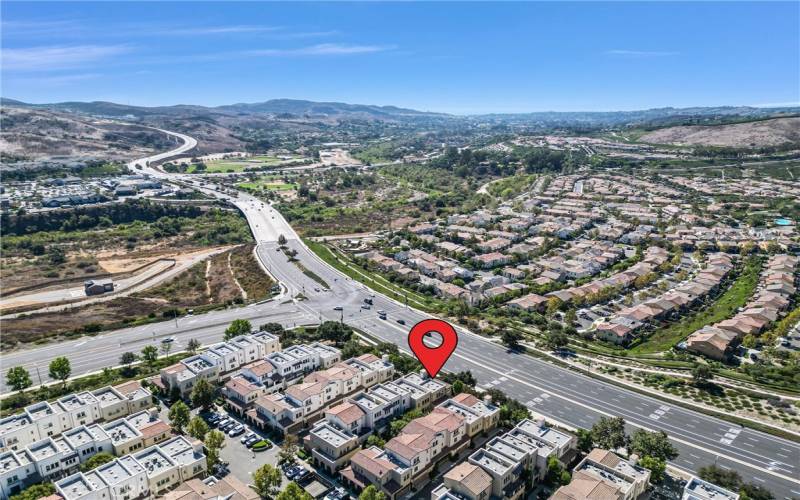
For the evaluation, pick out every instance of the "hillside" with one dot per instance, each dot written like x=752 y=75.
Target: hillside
x=38 y=134
x=755 y=134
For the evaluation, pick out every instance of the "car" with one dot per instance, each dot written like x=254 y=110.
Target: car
x=337 y=494
x=251 y=441
x=237 y=430
x=168 y=340
x=401 y=321
x=302 y=474
x=292 y=472
x=247 y=436
x=337 y=308
x=297 y=472
x=366 y=306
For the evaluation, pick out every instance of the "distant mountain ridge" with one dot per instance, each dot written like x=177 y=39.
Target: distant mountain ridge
x=299 y=108
x=304 y=109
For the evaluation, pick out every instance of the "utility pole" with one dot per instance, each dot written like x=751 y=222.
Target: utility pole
x=39 y=375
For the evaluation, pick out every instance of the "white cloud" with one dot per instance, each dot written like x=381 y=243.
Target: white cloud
x=322 y=49
x=641 y=53
x=57 y=56
x=218 y=30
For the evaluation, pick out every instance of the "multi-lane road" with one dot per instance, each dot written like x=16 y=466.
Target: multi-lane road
x=561 y=394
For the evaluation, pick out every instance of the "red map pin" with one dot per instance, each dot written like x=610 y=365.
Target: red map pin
x=432 y=358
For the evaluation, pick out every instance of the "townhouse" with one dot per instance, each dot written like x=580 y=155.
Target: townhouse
x=773 y=296
x=43 y=419
x=301 y=403
x=697 y=489
x=622 y=327
x=404 y=463
x=508 y=465
x=149 y=472
x=604 y=475
x=347 y=425
x=217 y=361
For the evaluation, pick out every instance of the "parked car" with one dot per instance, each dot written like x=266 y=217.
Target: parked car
x=301 y=474
x=236 y=430
x=337 y=308
x=251 y=441
x=247 y=436
x=293 y=472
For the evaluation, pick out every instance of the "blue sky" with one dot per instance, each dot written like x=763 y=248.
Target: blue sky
x=451 y=57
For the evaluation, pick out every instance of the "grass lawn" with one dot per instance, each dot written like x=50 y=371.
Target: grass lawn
x=723 y=308
x=266 y=184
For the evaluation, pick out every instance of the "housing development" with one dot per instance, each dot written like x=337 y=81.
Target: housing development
x=212 y=292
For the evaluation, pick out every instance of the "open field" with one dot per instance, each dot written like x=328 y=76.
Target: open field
x=244 y=164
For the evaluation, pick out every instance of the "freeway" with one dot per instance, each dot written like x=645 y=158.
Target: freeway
x=549 y=390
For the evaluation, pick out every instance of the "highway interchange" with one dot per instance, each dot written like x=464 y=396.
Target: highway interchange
x=566 y=396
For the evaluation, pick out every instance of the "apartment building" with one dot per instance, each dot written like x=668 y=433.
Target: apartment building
x=43 y=419
x=406 y=459
x=333 y=440
x=697 y=489
x=504 y=461
x=217 y=361
x=300 y=402
x=604 y=475
x=151 y=471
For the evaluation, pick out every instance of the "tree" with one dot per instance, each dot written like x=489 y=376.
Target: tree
x=701 y=374
x=293 y=492
x=288 y=449
x=35 y=492
x=193 y=346
x=585 y=442
x=371 y=493
x=727 y=478
x=749 y=341
x=553 y=305
x=179 y=416
x=609 y=433
x=96 y=461
x=166 y=347
x=237 y=327
x=375 y=440
x=60 y=369
x=752 y=491
x=197 y=428
x=273 y=328
x=652 y=444
x=511 y=338
x=335 y=332
x=267 y=480
x=214 y=441
x=656 y=466
x=556 y=340
x=18 y=378
x=150 y=355
x=126 y=360
x=203 y=394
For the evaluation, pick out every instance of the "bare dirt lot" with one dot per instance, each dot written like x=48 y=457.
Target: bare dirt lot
x=763 y=133
x=212 y=283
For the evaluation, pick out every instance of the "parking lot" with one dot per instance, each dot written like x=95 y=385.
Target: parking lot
x=242 y=460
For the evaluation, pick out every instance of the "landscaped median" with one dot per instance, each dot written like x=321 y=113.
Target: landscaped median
x=375 y=281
